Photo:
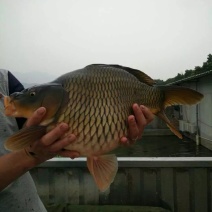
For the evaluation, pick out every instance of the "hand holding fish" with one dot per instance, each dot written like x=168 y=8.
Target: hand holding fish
x=137 y=122
x=52 y=143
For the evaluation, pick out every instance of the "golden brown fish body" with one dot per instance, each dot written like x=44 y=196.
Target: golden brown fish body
x=95 y=102
x=100 y=100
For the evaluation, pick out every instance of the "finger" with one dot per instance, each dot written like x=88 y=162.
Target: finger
x=139 y=116
x=133 y=128
x=70 y=154
x=36 y=117
x=62 y=143
x=124 y=140
x=149 y=116
x=54 y=134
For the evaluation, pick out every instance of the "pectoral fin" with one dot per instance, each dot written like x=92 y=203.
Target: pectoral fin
x=24 y=137
x=103 y=168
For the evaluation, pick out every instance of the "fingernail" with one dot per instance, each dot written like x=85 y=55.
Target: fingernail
x=124 y=140
x=131 y=118
x=136 y=106
x=142 y=107
x=64 y=126
x=71 y=137
x=41 y=110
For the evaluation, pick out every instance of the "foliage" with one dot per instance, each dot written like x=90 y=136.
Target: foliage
x=207 y=66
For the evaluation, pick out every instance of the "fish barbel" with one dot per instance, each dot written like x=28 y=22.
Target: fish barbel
x=95 y=102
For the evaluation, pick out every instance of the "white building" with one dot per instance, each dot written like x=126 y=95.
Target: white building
x=197 y=120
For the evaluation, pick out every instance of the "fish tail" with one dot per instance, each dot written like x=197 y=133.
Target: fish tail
x=175 y=95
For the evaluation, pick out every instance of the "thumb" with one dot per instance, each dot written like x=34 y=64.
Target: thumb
x=36 y=117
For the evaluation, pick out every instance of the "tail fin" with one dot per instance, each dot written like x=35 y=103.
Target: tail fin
x=175 y=95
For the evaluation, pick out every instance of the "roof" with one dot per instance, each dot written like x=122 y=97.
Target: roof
x=191 y=78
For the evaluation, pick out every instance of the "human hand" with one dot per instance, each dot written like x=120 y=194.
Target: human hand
x=137 y=122
x=52 y=143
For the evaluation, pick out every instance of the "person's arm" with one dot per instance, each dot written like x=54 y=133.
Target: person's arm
x=15 y=164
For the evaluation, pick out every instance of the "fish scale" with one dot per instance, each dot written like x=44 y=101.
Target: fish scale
x=104 y=89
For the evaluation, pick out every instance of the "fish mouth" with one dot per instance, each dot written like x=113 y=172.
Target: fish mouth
x=9 y=106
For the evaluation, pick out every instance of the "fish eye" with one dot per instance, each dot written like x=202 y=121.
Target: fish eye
x=32 y=93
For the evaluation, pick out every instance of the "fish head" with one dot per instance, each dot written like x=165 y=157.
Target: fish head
x=52 y=96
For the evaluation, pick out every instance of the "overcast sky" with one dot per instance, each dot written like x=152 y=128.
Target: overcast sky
x=160 y=37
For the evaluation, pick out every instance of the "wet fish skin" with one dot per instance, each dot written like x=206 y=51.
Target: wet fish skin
x=100 y=100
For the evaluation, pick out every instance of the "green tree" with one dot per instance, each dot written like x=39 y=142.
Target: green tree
x=197 y=70
x=207 y=66
x=159 y=81
x=188 y=73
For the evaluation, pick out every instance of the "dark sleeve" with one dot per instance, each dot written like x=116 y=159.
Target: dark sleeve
x=15 y=86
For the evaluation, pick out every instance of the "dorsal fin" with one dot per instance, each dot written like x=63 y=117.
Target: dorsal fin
x=141 y=76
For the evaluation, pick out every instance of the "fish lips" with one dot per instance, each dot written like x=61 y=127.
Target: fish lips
x=9 y=106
